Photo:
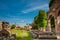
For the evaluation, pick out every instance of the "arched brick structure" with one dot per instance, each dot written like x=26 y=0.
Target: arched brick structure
x=49 y=14
x=54 y=11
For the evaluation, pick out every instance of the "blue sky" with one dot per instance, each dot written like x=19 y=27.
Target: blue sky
x=15 y=11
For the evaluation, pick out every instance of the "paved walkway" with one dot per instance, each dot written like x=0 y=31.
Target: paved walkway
x=36 y=39
x=46 y=39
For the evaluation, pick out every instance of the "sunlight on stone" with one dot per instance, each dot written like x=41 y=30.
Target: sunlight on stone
x=58 y=36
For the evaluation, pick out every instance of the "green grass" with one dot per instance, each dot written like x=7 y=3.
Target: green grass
x=21 y=34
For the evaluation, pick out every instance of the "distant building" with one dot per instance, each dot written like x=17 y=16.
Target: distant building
x=29 y=27
x=0 y=25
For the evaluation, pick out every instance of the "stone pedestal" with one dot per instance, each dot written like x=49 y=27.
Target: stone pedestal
x=48 y=26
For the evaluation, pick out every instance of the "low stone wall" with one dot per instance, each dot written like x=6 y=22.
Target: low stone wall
x=12 y=37
x=47 y=39
x=43 y=35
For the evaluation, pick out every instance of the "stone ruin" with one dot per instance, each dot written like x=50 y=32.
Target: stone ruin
x=37 y=34
x=54 y=11
x=4 y=34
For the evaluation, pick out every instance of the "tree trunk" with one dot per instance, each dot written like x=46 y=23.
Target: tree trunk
x=44 y=29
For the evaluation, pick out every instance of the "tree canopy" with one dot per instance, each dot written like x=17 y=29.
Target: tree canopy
x=13 y=26
x=40 y=19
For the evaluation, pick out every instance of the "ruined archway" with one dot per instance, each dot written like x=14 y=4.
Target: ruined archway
x=52 y=23
x=54 y=10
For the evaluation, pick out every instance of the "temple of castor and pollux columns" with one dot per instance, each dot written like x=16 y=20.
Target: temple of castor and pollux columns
x=54 y=11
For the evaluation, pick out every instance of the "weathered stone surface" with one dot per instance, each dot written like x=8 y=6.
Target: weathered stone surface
x=1 y=38
x=4 y=32
x=12 y=38
x=55 y=12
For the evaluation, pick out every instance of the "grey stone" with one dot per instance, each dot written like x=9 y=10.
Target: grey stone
x=12 y=38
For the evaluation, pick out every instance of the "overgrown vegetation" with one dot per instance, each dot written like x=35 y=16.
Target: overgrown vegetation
x=21 y=34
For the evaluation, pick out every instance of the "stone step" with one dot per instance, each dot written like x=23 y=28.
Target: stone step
x=45 y=39
x=35 y=39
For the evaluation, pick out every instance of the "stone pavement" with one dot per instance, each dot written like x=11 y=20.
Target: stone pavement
x=45 y=39
x=36 y=39
x=36 y=36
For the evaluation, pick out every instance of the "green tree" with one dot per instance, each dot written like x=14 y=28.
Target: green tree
x=40 y=19
x=13 y=26
x=34 y=26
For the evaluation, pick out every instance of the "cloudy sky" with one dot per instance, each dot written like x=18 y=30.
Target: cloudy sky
x=15 y=11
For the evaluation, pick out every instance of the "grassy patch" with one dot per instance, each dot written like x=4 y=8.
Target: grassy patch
x=21 y=34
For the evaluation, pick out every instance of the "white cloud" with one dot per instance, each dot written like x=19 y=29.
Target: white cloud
x=35 y=8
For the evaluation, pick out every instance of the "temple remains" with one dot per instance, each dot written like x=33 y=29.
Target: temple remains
x=54 y=11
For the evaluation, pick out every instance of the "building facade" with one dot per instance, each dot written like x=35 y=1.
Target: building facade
x=54 y=10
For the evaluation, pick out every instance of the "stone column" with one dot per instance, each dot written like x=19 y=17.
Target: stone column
x=57 y=29
x=48 y=26
x=56 y=25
